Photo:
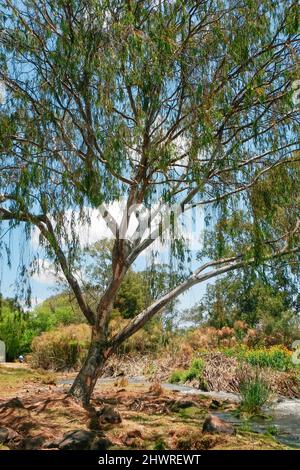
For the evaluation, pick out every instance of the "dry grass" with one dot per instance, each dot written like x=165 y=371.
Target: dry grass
x=151 y=417
x=18 y=377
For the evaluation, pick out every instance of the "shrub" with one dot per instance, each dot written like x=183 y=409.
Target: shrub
x=149 y=339
x=195 y=371
x=177 y=376
x=15 y=329
x=276 y=357
x=255 y=394
x=62 y=348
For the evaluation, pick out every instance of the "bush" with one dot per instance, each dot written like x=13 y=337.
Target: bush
x=255 y=394
x=177 y=376
x=276 y=357
x=62 y=348
x=150 y=339
x=195 y=371
x=15 y=330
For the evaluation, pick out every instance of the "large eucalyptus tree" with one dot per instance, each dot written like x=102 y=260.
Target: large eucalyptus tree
x=151 y=101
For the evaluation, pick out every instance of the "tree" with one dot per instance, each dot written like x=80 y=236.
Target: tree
x=155 y=102
x=261 y=297
x=15 y=328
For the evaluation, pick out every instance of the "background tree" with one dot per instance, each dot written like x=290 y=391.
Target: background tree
x=153 y=102
x=262 y=299
x=14 y=329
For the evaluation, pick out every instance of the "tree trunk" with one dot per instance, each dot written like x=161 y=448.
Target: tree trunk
x=83 y=386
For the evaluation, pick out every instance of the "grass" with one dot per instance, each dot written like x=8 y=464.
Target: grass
x=272 y=430
x=255 y=394
x=14 y=378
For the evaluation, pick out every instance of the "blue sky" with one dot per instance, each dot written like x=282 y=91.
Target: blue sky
x=43 y=285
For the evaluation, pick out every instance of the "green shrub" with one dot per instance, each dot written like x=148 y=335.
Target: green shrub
x=177 y=377
x=62 y=348
x=195 y=371
x=276 y=357
x=255 y=394
x=15 y=330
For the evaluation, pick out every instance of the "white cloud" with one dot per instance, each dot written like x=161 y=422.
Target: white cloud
x=44 y=272
x=93 y=228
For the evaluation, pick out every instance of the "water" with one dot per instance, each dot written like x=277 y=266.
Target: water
x=285 y=426
x=283 y=416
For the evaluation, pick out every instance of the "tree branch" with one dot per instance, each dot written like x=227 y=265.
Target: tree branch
x=233 y=263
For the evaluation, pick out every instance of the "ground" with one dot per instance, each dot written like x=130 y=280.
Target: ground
x=152 y=418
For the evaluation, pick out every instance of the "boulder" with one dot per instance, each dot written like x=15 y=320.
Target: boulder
x=215 y=425
x=31 y=443
x=7 y=434
x=80 y=439
x=100 y=443
x=107 y=415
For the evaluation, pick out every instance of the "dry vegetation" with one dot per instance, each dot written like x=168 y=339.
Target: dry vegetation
x=152 y=418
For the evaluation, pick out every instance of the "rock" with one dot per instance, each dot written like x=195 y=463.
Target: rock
x=134 y=433
x=13 y=403
x=107 y=415
x=3 y=435
x=213 y=424
x=80 y=439
x=32 y=443
x=100 y=443
x=7 y=434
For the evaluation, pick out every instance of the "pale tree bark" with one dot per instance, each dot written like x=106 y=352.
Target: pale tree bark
x=85 y=381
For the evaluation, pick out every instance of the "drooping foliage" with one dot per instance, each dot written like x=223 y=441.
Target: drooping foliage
x=110 y=98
